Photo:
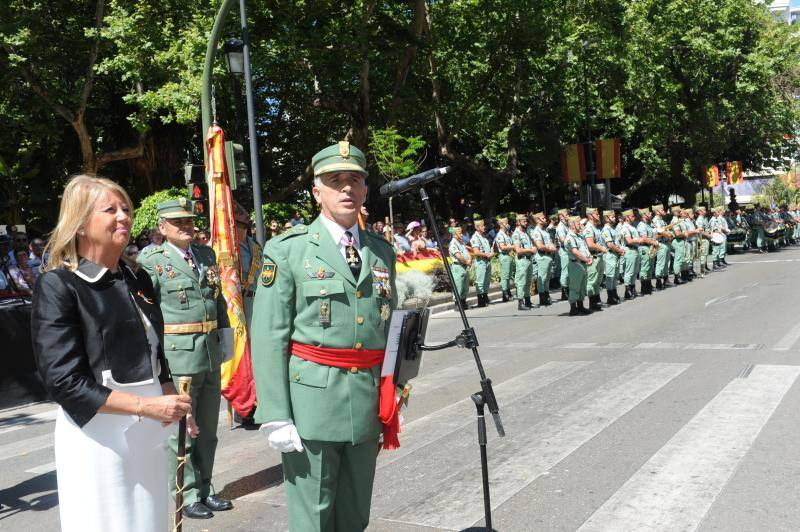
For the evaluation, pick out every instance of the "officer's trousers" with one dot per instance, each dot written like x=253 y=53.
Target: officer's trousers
x=688 y=258
x=678 y=264
x=505 y=272
x=631 y=265
x=594 y=275
x=483 y=274
x=461 y=277
x=644 y=262
x=610 y=269
x=705 y=246
x=724 y=251
x=544 y=268
x=716 y=252
x=523 y=276
x=577 y=281
x=200 y=451
x=563 y=259
x=329 y=485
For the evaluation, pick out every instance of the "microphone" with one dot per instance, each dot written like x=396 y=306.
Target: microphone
x=398 y=187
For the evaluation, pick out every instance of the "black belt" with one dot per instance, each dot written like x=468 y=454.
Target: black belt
x=249 y=293
x=631 y=247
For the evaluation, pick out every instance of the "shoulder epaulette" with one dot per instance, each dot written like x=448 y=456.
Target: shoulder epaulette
x=299 y=229
x=153 y=251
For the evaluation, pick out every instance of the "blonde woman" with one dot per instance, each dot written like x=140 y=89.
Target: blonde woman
x=97 y=342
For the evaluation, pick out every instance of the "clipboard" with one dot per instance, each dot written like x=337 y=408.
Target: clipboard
x=403 y=356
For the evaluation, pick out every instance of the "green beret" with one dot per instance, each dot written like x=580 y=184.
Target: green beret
x=340 y=157
x=176 y=208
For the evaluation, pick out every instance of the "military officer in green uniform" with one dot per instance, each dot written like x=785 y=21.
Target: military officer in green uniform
x=483 y=262
x=664 y=237
x=249 y=260
x=545 y=252
x=562 y=230
x=679 y=246
x=703 y=226
x=630 y=242
x=715 y=227
x=186 y=282
x=613 y=245
x=579 y=260
x=595 y=272
x=461 y=261
x=504 y=246
x=691 y=242
x=523 y=247
x=320 y=319
x=647 y=250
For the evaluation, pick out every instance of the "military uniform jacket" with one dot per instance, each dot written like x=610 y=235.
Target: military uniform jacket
x=521 y=239
x=576 y=241
x=561 y=232
x=590 y=231
x=481 y=243
x=456 y=246
x=308 y=294
x=645 y=230
x=610 y=236
x=188 y=297
x=628 y=231
x=689 y=226
x=502 y=238
x=703 y=224
x=542 y=235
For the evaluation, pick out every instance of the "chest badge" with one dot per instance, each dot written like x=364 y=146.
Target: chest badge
x=324 y=312
x=323 y=274
x=385 y=312
x=159 y=270
x=212 y=275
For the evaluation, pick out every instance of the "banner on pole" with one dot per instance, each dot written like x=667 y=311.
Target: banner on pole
x=712 y=176
x=734 y=171
x=609 y=161
x=573 y=164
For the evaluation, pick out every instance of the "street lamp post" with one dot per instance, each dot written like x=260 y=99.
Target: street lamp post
x=589 y=151
x=234 y=59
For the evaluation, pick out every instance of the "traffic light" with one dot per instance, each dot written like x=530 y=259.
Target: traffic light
x=238 y=172
x=196 y=186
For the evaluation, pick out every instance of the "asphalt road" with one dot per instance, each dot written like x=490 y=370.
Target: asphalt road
x=675 y=411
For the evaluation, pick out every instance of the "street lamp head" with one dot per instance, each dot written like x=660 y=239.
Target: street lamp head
x=234 y=56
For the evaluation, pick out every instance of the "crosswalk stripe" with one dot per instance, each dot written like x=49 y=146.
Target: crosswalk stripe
x=789 y=339
x=433 y=381
x=17 y=422
x=28 y=445
x=676 y=487
x=42 y=469
x=455 y=502
x=425 y=430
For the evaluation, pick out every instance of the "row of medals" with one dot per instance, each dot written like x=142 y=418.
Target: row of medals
x=382 y=285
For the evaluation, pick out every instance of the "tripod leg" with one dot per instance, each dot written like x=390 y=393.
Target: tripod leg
x=487 y=505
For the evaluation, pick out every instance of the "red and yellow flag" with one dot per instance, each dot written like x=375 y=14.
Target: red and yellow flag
x=237 y=373
x=609 y=161
x=712 y=176
x=573 y=165
x=734 y=171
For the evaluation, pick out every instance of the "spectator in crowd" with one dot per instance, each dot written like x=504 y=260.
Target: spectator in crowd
x=37 y=257
x=202 y=237
x=414 y=236
x=430 y=243
x=22 y=274
x=156 y=239
x=131 y=252
x=275 y=229
x=5 y=242
x=297 y=219
x=401 y=243
x=378 y=227
x=286 y=227
x=19 y=243
x=143 y=240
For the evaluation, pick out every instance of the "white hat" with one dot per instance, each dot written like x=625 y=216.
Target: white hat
x=412 y=225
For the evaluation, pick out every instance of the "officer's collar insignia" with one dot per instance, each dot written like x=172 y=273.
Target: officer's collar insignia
x=344 y=149
x=268 y=272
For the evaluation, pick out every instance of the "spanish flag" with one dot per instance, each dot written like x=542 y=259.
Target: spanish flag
x=237 y=386
x=609 y=162
x=573 y=165
x=712 y=176
x=734 y=171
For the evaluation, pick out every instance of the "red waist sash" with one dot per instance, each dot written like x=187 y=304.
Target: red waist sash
x=389 y=409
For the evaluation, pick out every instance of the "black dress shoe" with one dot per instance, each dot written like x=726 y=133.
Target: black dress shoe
x=197 y=510
x=218 y=504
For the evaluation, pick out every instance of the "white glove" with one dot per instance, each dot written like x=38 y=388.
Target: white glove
x=282 y=436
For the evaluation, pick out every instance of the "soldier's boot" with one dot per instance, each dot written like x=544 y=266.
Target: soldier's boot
x=610 y=298
x=725 y=262
x=616 y=295
x=628 y=294
x=659 y=284
x=634 y=293
x=521 y=305
x=464 y=304
x=666 y=284
x=594 y=302
x=650 y=285
x=481 y=301
x=685 y=276
x=644 y=291
x=573 y=309
x=583 y=311
x=677 y=281
x=543 y=299
x=529 y=304
x=505 y=296
x=486 y=299
x=564 y=294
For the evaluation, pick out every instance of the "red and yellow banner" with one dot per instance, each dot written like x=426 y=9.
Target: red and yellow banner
x=609 y=161
x=237 y=373
x=423 y=260
x=712 y=176
x=573 y=164
x=734 y=171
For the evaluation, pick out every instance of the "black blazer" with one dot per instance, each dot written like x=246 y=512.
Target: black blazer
x=84 y=322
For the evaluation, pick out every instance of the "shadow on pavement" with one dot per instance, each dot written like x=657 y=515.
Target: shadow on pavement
x=266 y=478
x=44 y=489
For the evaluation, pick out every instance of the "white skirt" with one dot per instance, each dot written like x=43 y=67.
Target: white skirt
x=112 y=472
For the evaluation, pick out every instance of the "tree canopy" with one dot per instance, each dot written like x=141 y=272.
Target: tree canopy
x=494 y=88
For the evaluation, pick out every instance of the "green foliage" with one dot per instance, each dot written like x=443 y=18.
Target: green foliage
x=778 y=193
x=146 y=215
x=283 y=212
x=395 y=155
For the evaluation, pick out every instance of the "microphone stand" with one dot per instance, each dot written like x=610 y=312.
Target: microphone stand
x=467 y=340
